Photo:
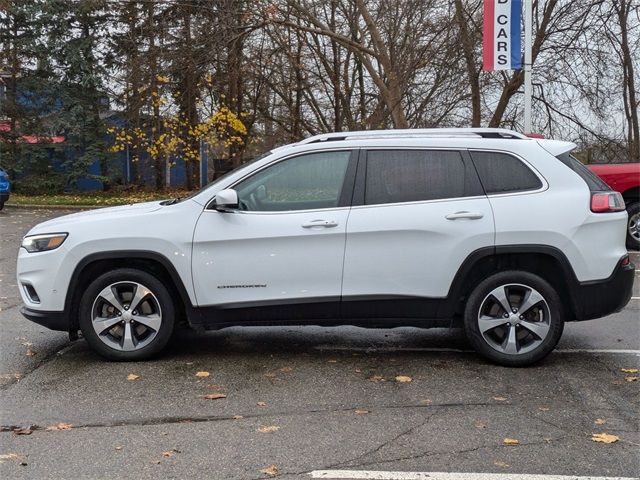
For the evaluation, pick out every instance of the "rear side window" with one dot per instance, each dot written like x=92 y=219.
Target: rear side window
x=595 y=183
x=504 y=173
x=395 y=176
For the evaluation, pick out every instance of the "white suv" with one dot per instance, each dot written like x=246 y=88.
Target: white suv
x=487 y=229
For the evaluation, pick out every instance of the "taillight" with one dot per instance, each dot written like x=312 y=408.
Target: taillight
x=602 y=202
x=625 y=261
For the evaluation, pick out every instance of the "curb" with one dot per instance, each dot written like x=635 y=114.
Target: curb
x=55 y=207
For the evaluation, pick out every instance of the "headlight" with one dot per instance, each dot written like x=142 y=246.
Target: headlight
x=42 y=243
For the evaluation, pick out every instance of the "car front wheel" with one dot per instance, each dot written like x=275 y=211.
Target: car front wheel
x=514 y=318
x=127 y=315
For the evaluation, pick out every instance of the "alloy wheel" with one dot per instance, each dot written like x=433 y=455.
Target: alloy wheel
x=634 y=226
x=126 y=316
x=514 y=319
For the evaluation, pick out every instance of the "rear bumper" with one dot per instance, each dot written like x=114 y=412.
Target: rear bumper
x=4 y=196
x=599 y=298
x=52 y=320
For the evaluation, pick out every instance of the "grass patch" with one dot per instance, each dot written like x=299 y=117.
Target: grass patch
x=96 y=199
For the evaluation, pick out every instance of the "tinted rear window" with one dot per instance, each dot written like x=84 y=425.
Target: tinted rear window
x=395 y=176
x=595 y=183
x=504 y=173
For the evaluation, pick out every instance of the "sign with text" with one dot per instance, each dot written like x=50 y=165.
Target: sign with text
x=501 y=35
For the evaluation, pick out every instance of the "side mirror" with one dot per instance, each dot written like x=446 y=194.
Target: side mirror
x=226 y=200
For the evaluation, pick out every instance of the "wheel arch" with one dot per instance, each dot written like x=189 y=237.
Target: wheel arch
x=545 y=261
x=631 y=195
x=154 y=263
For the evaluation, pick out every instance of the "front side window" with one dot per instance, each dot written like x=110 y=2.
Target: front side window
x=503 y=173
x=395 y=176
x=305 y=182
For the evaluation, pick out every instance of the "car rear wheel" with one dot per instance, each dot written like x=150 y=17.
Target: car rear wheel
x=633 y=227
x=514 y=318
x=127 y=315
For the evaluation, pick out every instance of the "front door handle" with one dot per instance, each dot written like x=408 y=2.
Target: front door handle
x=320 y=223
x=467 y=215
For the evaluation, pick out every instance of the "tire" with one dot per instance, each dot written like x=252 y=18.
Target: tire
x=1 y=205
x=633 y=227
x=511 y=341
x=127 y=335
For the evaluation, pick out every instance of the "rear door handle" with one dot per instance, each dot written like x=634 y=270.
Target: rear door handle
x=467 y=215
x=320 y=223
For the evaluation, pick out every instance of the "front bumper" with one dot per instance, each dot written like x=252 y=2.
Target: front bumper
x=600 y=298
x=52 y=320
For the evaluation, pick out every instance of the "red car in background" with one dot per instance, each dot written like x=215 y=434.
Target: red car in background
x=624 y=178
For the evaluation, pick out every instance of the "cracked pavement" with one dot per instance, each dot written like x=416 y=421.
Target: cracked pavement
x=309 y=382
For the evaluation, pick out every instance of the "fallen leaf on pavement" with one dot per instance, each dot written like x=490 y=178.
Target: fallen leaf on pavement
x=214 y=396
x=361 y=411
x=22 y=431
x=631 y=379
x=376 y=379
x=604 y=438
x=268 y=428
x=426 y=401
x=358 y=370
x=202 y=374
x=403 y=379
x=270 y=375
x=119 y=447
x=271 y=470
x=511 y=441
x=501 y=464
x=170 y=453
x=543 y=409
x=629 y=370
x=10 y=456
x=132 y=376
x=10 y=376
x=332 y=361
x=600 y=421
x=500 y=399
x=237 y=417
x=261 y=404
x=481 y=425
x=286 y=369
x=59 y=426
x=30 y=353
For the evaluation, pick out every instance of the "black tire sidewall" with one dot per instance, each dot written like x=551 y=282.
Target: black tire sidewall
x=474 y=303
x=632 y=209
x=127 y=275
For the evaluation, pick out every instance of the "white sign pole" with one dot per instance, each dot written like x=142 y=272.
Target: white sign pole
x=528 y=27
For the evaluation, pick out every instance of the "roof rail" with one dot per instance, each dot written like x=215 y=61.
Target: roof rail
x=416 y=133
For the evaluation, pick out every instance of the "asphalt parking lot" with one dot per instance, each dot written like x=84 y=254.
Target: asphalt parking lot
x=298 y=401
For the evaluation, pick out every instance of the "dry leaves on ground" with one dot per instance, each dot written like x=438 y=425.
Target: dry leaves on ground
x=132 y=376
x=501 y=464
x=629 y=370
x=214 y=396
x=22 y=431
x=4 y=457
x=270 y=375
x=500 y=399
x=10 y=376
x=403 y=379
x=481 y=425
x=237 y=417
x=511 y=441
x=543 y=409
x=604 y=438
x=426 y=401
x=376 y=379
x=332 y=360
x=271 y=470
x=286 y=369
x=59 y=426
x=631 y=379
x=261 y=404
x=361 y=411
x=600 y=421
x=202 y=374
x=171 y=452
x=268 y=428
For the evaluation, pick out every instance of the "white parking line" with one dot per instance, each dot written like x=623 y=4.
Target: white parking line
x=380 y=475
x=329 y=348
